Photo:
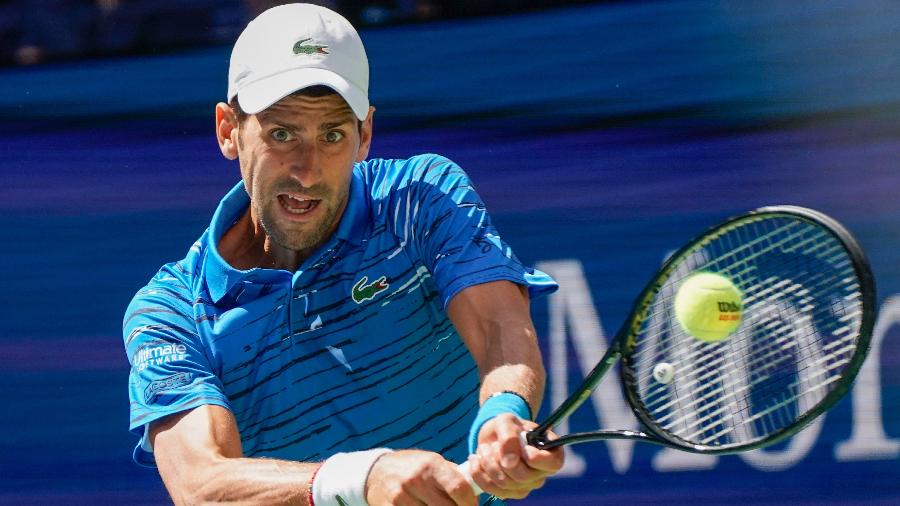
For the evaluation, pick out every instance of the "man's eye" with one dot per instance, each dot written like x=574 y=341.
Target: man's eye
x=333 y=136
x=281 y=135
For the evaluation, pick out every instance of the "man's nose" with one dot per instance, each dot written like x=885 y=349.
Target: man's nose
x=305 y=165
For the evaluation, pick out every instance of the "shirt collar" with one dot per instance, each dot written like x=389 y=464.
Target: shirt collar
x=220 y=276
x=356 y=214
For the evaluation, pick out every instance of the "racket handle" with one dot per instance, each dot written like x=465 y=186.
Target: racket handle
x=464 y=469
x=523 y=439
x=467 y=472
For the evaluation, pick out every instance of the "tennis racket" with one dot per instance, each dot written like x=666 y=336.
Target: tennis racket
x=807 y=317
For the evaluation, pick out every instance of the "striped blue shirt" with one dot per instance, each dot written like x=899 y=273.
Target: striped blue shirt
x=353 y=350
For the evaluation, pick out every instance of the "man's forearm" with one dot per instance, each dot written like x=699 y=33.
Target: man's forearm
x=518 y=378
x=515 y=365
x=494 y=321
x=245 y=481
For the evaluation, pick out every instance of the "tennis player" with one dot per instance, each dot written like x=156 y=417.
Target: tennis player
x=346 y=330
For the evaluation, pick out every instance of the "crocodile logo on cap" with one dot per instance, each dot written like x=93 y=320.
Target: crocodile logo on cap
x=300 y=48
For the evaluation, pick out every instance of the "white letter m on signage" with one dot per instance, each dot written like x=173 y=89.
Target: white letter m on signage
x=572 y=310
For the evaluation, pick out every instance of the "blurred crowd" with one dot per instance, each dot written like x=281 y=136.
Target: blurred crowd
x=38 y=31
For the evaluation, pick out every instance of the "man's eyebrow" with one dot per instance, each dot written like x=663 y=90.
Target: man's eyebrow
x=337 y=120
x=272 y=115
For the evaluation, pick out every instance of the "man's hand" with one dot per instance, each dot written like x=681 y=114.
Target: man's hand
x=502 y=467
x=414 y=477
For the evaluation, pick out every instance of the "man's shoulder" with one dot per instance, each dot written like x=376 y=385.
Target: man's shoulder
x=172 y=290
x=414 y=193
x=384 y=177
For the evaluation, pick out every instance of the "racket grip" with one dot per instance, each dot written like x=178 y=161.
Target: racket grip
x=464 y=469
x=467 y=472
x=523 y=439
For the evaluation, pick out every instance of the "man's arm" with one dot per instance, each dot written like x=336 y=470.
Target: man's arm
x=494 y=320
x=198 y=454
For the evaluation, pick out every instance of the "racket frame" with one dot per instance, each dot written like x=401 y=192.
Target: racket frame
x=624 y=341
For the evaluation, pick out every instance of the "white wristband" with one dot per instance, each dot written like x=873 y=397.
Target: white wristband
x=341 y=480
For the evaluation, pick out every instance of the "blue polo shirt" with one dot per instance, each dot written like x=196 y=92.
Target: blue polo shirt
x=353 y=350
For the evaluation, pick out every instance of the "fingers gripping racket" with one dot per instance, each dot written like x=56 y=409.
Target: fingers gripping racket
x=806 y=309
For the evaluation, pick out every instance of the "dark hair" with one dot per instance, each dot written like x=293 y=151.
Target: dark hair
x=312 y=91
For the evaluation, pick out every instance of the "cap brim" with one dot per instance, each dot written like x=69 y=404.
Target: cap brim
x=256 y=96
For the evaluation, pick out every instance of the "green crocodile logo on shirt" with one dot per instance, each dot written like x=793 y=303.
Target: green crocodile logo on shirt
x=299 y=48
x=363 y=291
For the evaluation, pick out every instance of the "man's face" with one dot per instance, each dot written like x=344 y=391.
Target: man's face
x=296 y=161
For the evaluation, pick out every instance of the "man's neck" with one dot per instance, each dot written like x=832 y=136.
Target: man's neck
x=246 y=246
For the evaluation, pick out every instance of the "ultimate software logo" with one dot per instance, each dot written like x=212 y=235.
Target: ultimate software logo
x=157 y=354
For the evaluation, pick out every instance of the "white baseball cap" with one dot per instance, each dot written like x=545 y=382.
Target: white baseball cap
x=295 y=46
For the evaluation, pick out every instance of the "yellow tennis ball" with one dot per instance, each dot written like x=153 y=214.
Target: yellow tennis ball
x=708 y=306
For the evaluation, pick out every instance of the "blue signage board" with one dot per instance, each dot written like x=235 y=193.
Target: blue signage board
x=601 y=138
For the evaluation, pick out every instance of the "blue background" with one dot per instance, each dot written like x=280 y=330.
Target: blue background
x=600 y=136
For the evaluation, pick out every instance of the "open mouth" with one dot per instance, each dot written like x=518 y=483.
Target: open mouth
x=297 y=205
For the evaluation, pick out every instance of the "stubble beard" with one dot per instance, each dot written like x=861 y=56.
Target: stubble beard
x=295 y=236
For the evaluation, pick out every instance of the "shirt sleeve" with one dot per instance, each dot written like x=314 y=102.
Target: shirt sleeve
x=456 y=239
x=170 y=369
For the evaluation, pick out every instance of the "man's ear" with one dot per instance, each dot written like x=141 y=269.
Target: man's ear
x=365 y=136
x=227 y=131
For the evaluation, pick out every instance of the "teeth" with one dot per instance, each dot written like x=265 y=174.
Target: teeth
x=310 y=205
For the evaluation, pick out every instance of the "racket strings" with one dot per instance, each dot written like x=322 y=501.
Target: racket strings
x=759 y=365
x=790 y=350
x=773 y=286
x=767 y=365
x=781 y=400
